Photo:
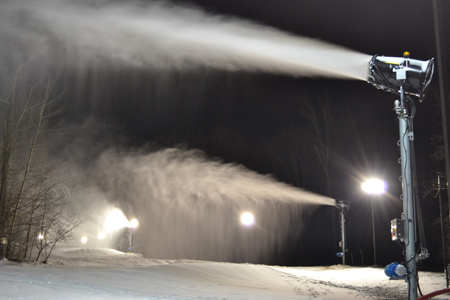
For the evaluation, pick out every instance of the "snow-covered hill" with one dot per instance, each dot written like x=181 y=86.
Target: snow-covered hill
x=110 y=274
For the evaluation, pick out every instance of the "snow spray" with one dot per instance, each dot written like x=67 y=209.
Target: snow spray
x=189 y=206
x=161 y=35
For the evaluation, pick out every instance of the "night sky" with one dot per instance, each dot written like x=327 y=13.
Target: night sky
x=255 y=119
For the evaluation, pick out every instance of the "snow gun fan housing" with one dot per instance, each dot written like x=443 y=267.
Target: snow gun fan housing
x=389 y=73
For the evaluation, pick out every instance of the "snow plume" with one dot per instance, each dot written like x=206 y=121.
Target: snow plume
x=161 y=35
x=189 y=206
x=174 y=174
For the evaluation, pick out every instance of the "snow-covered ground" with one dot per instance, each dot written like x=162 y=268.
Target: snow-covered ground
x=110 y=274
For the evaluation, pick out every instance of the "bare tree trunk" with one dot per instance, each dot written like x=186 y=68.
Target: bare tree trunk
x=29 y=226
x=39 y=113
x=9 y=132
x=28 y=165
x=6 y=156
x=42 y=233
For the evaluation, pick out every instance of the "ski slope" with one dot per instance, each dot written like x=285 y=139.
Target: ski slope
x=110 y=274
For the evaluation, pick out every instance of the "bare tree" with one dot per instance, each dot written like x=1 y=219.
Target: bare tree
x=30 y=204
x=318 y=113
x=289 y=155
x=57 y=225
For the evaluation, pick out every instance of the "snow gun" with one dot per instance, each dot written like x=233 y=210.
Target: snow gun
x=390 y=73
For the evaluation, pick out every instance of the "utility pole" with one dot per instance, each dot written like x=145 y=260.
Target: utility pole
x=442 y=230
x=443 y=80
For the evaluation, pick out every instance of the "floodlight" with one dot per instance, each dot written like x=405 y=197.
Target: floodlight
x=134 y=223
x=116 y=220
x=101 y=235
x=390 y=73
x=374 y=186
x=247 y=219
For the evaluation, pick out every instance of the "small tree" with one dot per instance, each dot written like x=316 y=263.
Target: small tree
x=319 y=116
x=31 y=201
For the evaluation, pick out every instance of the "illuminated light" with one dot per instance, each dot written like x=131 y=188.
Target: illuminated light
x=101 y=235
x=247 y=219
x=84 y=239
x=40 y=237
x=116 y=220
x=134 y=223
x=374 y=186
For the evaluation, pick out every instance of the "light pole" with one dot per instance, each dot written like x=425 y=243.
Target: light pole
x=133 y=224
x=247 y=219
x=342 y=206
x=40 y=238
x=442 y=230
x=374 y=187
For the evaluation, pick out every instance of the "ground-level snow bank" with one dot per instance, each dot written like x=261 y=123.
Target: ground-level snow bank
x=363 y=281
x=109 y=274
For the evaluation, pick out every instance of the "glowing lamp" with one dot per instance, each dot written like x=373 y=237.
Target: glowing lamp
x=374 y=186
x=116 y=220
x=134 y=223
x=84 y=240
x=247 y=219
x=389 y=73
x=101 y=235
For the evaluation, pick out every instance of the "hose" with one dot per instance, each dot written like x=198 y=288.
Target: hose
x=433 y=294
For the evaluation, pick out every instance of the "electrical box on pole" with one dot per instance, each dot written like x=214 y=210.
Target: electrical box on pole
x=398 y=230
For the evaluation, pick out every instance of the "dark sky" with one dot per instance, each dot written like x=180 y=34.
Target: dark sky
x=382 y=27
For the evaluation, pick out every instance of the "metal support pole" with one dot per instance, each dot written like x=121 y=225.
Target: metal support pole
x=343 y=235
x=408 y=199
x=3 y=243
x=342 y=206
x=130 y=247
x=439 y=28
x=442 y=230
x=373 y=237
x=246 y=246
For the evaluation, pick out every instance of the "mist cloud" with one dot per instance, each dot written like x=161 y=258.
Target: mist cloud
x=162 y=35
x=189 y=206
